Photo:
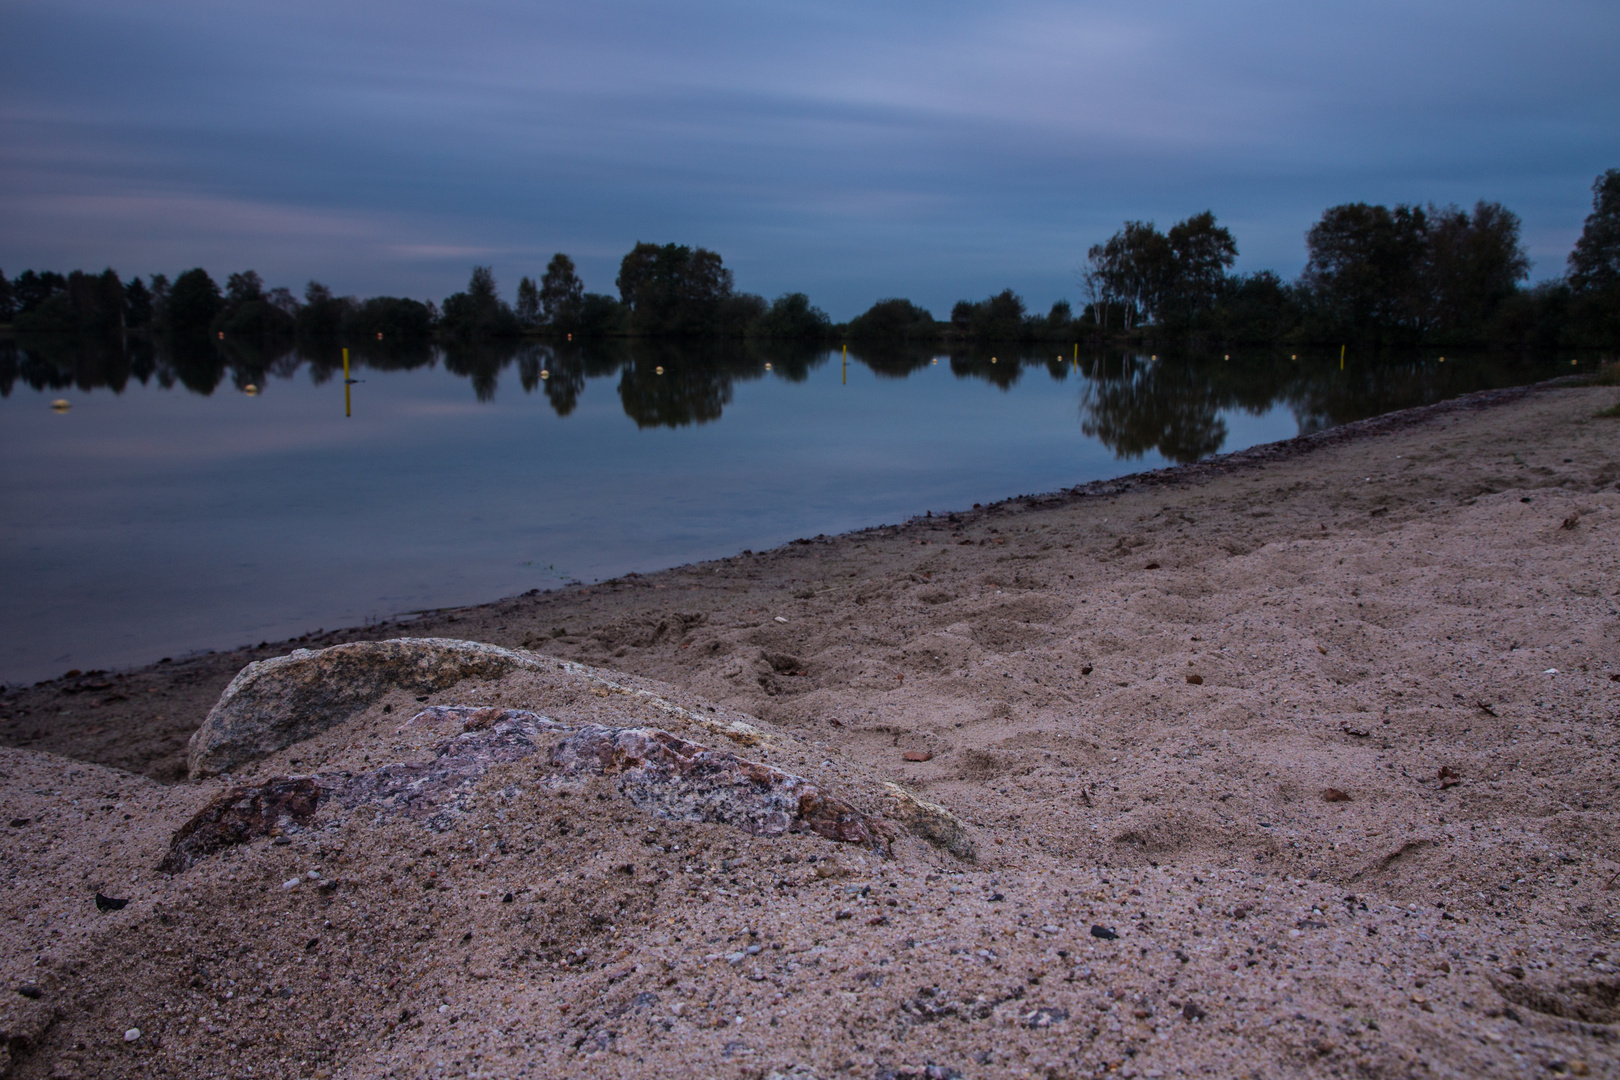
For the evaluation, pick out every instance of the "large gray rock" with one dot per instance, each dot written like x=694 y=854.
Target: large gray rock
x=272 y=704
x=661 y=773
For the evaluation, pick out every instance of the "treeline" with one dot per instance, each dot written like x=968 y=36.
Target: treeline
x=1400 y=276
x=664 y=291
x=193 y=305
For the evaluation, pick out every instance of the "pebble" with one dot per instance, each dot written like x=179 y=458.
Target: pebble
x=290 y=883
x=132 y=1034
x=443 y=1009
x=29 y=990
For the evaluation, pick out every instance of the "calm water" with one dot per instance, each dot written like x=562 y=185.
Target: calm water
x=215 y=498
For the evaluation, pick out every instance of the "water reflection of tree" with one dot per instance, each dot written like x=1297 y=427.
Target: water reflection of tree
x=480 y=362
x=893 y=358
x=998 y=367
x=57 y=362
x=1134 y=405
x=665 y=386
x=1172 y=403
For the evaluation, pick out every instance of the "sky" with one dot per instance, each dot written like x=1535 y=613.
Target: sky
x=853 y=151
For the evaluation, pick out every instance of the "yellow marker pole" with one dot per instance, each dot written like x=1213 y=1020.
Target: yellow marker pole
x=1341 y=357
x=844 y=366
x=346 y=383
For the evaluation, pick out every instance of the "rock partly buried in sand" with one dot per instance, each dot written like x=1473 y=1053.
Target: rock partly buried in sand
x=274 y=703
x=239 y=816
x=680 y=780
x=929 y=821
x=660 y=773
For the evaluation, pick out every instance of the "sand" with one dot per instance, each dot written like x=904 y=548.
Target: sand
x=1299 y=761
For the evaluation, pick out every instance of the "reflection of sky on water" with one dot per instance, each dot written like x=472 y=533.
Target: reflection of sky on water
x=150 y=522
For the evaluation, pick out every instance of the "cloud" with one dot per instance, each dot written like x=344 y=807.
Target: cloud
x=935 y=150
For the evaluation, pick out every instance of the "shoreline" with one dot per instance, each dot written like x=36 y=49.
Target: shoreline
x=209 y=670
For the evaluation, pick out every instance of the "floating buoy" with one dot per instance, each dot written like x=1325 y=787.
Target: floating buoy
x=659 y=370
x=250 y=390
x=992 y=359
x=545 y=374
x=767 y=367
x=61 y=404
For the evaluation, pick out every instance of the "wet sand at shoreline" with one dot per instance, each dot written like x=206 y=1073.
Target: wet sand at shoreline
x=1321 y=737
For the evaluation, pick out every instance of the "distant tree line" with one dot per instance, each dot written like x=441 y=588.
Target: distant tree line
x=1398 y=276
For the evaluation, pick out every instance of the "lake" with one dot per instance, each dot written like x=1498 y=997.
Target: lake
x=181 y=500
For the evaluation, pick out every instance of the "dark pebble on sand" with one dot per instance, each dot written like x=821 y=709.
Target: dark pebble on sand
x=1103 y=932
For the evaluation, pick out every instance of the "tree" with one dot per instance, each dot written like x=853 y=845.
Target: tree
x=1130 y=273
x=282 y=298
x=321 y=317
x=194 y=300
x=894 y=320
x=673 y=289
x=388 y=318
x=528 y=303
x=1201 y=252
x=1000 y=318
x=30 y=290
x=562 y=294
x=1594 y=264
x=791 y=315
x=137 y=303
x=1365 y=273
x=479 y=312
x=244 y=288
x=1473 y=264
x=7 y=299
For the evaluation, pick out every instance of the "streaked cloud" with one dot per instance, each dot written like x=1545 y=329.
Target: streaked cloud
x=934 y=150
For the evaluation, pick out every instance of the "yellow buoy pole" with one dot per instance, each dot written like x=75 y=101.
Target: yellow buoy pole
x=1341 y=357
x=346 y=383
x=843 y=366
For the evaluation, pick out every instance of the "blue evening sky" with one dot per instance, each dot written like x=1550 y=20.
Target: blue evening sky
x=939 y=150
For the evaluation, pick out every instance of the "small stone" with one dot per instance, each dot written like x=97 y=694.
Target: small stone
x=918 y=755
x=1195 y=680
x=1104 y=933
x=1333 y=794
x=780 y=619
x=290 y=883
x=109 y=903
x=738 y=957
x=844 y=913
x=443 y=1009
x=508 y=898
x=29 y=990
x=132 y=1034
x=314 y=875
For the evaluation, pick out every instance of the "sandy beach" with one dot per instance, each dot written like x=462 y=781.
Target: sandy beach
x=1298 y=761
